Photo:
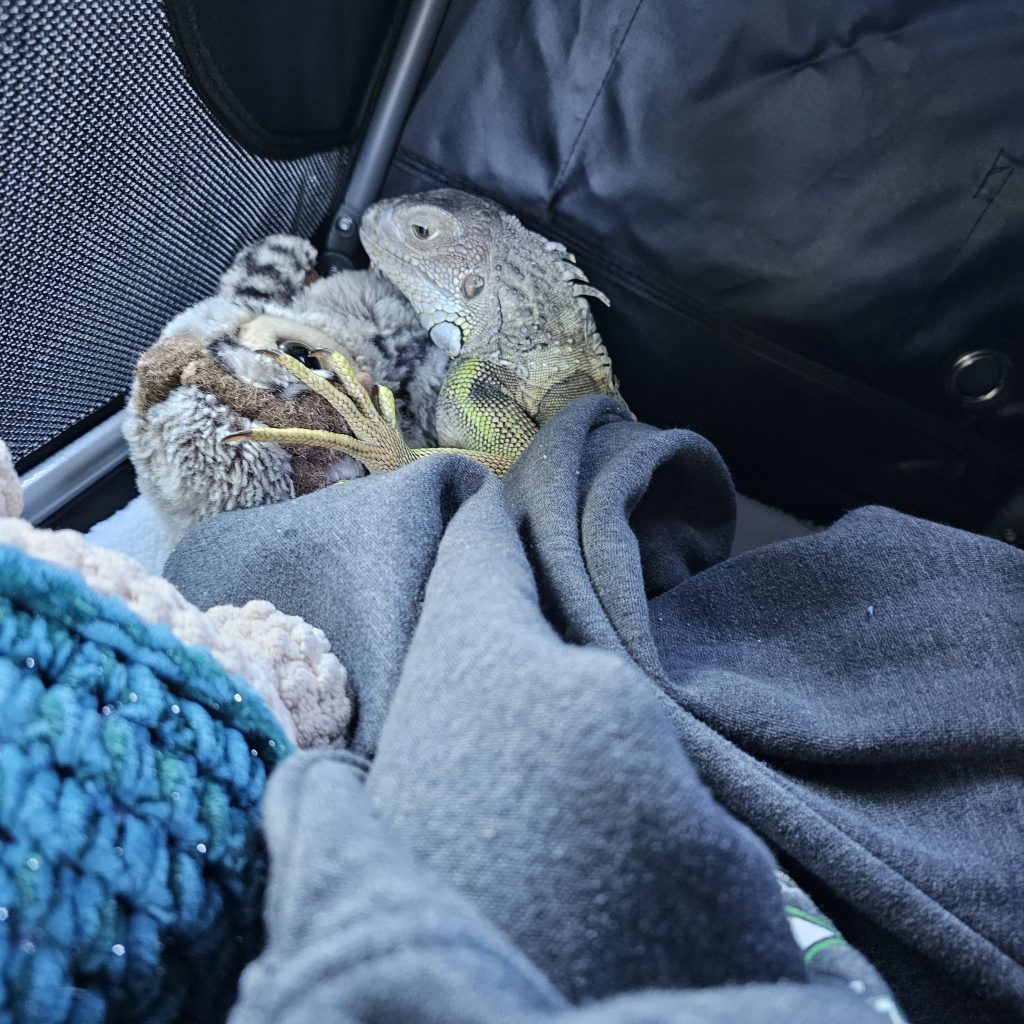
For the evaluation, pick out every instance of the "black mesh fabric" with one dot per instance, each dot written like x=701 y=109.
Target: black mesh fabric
x=120 y=203
x=808 y=216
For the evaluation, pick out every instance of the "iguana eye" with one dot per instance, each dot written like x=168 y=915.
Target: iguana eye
x=421 y=231
x=472 y=285
x=300 y=352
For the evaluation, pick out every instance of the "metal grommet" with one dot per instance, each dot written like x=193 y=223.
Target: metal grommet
x=980 y=378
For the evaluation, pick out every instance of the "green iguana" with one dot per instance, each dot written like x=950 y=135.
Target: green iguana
x=509 y=306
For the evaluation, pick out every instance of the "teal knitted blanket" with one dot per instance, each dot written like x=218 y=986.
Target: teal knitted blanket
x=131 y=770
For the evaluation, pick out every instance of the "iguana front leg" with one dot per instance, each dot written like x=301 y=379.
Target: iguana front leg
x=477 y=411
x=376 y=440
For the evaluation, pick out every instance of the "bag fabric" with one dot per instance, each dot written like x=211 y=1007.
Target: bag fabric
x=809 y=218
x=605 y=737
x=286 y=78
x=122 y=202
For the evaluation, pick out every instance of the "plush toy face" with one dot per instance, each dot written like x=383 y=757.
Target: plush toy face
x=215 y=388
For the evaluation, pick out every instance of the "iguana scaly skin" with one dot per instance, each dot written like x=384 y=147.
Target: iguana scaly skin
x=509 y=306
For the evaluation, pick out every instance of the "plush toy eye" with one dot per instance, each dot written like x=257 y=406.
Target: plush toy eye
x=300 y=352
x=472 y=285
x=421 y=231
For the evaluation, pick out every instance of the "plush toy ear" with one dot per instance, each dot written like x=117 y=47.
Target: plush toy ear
x=11 y=502
x=159 y=369
x=272 y=269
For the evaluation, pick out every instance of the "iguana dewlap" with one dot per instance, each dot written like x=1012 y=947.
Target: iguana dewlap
x=510 y=308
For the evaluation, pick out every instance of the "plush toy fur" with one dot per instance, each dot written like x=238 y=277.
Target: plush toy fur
x=205 y=378
x=10 y=488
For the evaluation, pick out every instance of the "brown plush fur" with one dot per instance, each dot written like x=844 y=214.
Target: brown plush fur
x=183 y=360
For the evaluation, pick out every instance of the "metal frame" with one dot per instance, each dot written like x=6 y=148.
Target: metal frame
x=76 y=467
x=422 y=25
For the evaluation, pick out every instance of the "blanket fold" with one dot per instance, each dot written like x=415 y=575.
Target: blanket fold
x=603 y=736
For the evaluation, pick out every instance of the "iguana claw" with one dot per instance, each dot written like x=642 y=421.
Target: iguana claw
x=375 y=441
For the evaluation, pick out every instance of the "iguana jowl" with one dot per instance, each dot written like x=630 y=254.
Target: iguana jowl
x=509 y=306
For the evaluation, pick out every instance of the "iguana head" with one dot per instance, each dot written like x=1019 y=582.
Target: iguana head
x=474 y=274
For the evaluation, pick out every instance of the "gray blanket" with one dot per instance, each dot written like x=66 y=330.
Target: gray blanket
x=586 y=744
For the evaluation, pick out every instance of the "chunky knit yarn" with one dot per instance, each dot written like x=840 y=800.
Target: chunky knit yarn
x=285 y=659
x=131 y=770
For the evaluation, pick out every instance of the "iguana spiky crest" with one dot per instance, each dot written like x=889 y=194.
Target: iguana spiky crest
x=485 y=286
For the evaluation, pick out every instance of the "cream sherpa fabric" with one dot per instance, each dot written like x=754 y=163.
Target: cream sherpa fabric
x=10 y=488
x=287 y=661
x=308 y=677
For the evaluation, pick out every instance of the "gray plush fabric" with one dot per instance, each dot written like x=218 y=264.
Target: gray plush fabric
x=600 y=733
x=187 y=472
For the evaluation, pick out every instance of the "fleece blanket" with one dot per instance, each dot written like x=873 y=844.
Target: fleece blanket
x=588 y=743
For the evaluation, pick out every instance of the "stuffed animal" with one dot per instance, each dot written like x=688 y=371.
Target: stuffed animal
x=205 y=378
